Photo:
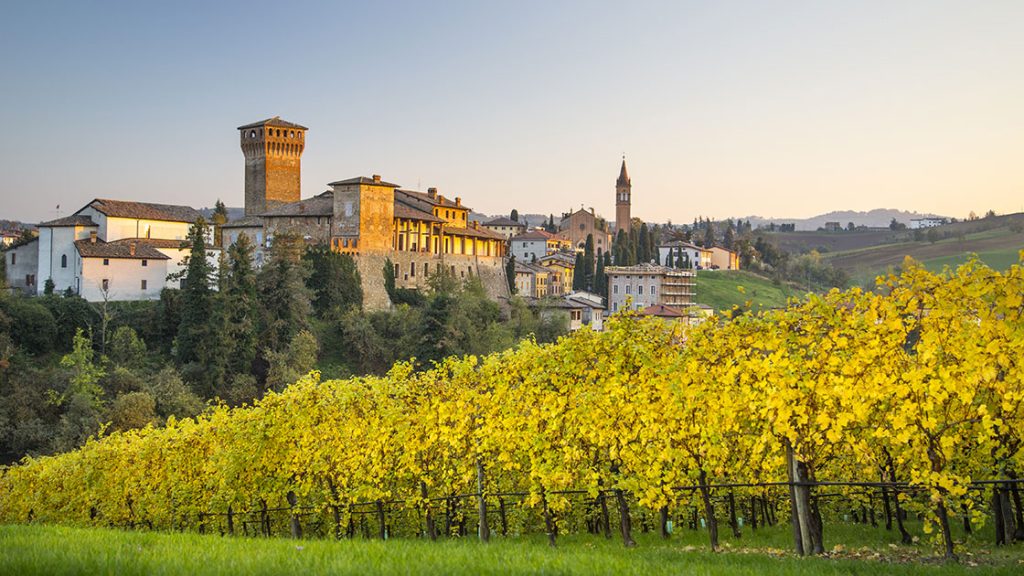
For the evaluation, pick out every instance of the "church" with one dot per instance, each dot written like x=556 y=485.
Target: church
x=365 y=216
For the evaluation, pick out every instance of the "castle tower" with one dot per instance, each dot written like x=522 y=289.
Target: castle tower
x=273 y=161
x=622 y=193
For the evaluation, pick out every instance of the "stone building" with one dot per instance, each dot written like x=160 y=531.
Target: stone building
x=576 y=226
x=505 y=226
x=644 y=285
x=367 y=217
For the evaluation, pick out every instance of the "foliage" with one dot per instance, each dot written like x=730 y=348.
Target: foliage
x=333 y=280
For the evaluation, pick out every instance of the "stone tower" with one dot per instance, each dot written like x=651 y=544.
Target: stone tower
x=622 y=193
x=273 y=163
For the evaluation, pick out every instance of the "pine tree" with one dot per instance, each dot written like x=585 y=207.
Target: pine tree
x=333 y=280
x=284 y=298
x=196 y=297
x=709 y=235
x=241 y=305
x=729 y=241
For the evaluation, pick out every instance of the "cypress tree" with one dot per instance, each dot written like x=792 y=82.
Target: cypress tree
x=510 y=273
x=644 y=246
x=588 y=263
x=600 y=279
x=220 y=217
x=579 y=275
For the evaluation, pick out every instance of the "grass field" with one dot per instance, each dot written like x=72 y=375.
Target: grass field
x=718 y=289
x=30 y=550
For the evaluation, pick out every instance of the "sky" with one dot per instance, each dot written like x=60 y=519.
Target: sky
x=722 y=108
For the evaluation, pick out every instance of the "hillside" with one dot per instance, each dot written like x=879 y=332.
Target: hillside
x=718 y=289
x=996 y=241
x=877 y=218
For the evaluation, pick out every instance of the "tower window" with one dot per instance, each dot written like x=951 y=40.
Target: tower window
x=252 y=134
x=291 y=134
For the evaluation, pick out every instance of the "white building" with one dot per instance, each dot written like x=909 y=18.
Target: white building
x=724 y=259
x=507 y=227
x=110 y=249
x=22 y=265
x=693 y=257
x=916 y=223
x=638 y=287
x=535 y=244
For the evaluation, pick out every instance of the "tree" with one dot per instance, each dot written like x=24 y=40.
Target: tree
x=514 y=216
x=850 y=227
x=600 y=279
x=709 y=235
x=85 y=373
x=333 y=280
x=284 y=298
x=510 y=273
x=196 y=298
x=729 y=240
x=588 y=263
x=48 y=287
x=644 y=246
x=579 y=278
x=295 y=361
x=220 y=218
x=126 y=348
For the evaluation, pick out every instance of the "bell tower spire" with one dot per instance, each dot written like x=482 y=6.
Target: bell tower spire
x=623 y=191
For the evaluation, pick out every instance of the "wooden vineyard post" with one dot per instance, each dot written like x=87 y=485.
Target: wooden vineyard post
x=709 y=511
x=504 y=518
x=431 y=526
x=484 y=531
x=799 y=505
x=382 y=528
x=549 y=521
x=625 y=524
x=264 y=518
x=296 y=528
x=733 y=521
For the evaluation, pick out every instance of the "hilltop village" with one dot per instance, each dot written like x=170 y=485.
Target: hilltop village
x=582 y=266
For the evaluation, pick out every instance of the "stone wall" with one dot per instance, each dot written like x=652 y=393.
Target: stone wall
x=491 y=271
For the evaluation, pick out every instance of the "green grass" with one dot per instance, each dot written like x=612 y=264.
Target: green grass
x=718 y=289
x=995 y=259
x=49 y=550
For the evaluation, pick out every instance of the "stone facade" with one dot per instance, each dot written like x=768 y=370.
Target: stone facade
x=638 y=287
x=273 y=163
x=576 y=226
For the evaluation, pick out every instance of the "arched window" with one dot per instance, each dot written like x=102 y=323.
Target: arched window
x=63 y=260
x=252 y=134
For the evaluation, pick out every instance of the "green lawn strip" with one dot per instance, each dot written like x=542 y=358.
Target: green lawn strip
x=32 y=550
x=718 y=289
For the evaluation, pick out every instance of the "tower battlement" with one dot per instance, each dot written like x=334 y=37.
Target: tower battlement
x=273 y=163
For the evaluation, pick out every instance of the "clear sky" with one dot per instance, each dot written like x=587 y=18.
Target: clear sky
x=785 y=109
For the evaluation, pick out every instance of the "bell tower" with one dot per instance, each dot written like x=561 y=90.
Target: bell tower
x=622 y=192
x=273 y=163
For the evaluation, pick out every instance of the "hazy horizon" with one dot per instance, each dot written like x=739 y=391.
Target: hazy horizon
x=729 y=109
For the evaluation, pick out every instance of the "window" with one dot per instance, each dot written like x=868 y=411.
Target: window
x=640 y=290
x=106 y=284
x=145 y=263
x=615 y=289
x=397 y=271
x=106 y=262
x=143 y=284
x=14 y=258
x=252 y=134
x=629 y=288
x=615 y=307
x=63 y=260
x=412 y=269
x=28 y=280
x=654 y=290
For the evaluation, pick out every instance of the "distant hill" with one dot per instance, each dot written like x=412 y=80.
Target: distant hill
x=15 y=226
x=878 y=218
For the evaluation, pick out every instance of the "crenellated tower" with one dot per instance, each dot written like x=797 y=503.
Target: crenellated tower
x=622 y=192
x=273 y=163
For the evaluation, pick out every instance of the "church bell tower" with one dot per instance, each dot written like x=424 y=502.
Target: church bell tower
x=622 y=192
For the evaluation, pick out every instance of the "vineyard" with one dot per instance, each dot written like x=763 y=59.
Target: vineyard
x=905 y=401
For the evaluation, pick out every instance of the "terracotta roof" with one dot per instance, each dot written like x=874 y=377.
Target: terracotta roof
x=145 y=210
x=662 y=311
x=275 y=121
x=474 y=232
x=528 y=268
x=560 y=258
x=165 y=244
x=119 y=249
x=363 y=180
x=426 y=198
x=246 y=222
x=403 y=210
x=319 y=205
x=679 y=244
x=534 y=235
x=504 y=221
x=73 y=220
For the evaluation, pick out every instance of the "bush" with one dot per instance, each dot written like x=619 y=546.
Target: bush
x=32 y=326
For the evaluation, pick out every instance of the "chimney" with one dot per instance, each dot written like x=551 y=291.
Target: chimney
x=92 y=236
x=592 y=211
x=476 y=225
x=131 y=248
x=440 y=199
x=458 y=201
x=432 y=193
x=376 y=178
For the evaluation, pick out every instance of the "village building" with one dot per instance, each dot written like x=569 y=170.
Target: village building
x=643 y=285
x=507 y=227
x=536 y=244
x=690 y=256
x=561 y=265
x=107 y=250
x=532 y=280
x=576 y=226
x=919 y=223
x=724 y=259
x=366 y=217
